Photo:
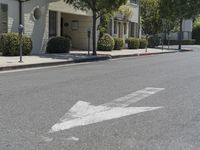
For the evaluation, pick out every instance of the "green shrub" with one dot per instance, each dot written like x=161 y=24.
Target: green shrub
x=153 y=41
x=119 y=43
x=58 y=45
x=196 y=31
x=106 y=43
x=133 y=43
x=143 y=43
x=189 y=42
x=183 y=42
x=9 y=44
x=70 y=38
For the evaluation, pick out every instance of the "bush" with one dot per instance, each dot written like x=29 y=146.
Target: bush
x=70 y=38
x=143 y=43
x=106 y=43
x=9 y=44
x=183 y=42
x=119 y=43
x=58 y=45
x=196 y=31
x=133 y=43
x=153 y=41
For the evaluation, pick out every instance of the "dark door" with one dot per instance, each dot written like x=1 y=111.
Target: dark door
x=52 y=23
x=61 y=26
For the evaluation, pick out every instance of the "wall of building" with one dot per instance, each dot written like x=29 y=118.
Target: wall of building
x=36 y=29
x=13 y=14
x=187 y=31
x=79 y=37
x=135 y=17
x=130 y=23
x=187 y=25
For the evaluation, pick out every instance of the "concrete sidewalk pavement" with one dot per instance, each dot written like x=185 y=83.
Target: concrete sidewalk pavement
x=9 y=63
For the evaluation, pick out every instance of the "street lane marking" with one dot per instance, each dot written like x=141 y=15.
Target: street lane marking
x=72 y=138
x=83 y=113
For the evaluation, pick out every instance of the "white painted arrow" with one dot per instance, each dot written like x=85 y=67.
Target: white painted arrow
x=82 y=113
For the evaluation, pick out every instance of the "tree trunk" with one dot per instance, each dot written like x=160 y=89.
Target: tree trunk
x=180 y=34
x=94 y=33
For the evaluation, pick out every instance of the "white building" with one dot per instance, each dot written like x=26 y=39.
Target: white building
x=187 y=31
x=124 y=28
x=43 y=19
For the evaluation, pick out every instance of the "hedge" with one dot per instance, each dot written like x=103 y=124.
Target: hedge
x=183 y=42
x=196 y=31
x=58 y=45
x=153 y=41
x=133 y=43
x=119 y=43
x=9 y=44
x=106 y=43
x=143 y=43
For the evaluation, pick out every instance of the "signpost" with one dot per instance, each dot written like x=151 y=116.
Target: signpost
x=89 y=36
x=20 y=29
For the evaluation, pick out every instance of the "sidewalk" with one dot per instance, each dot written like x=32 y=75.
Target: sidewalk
x=8 y=63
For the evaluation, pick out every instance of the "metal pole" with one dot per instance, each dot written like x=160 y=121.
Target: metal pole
x=89 y=35
x=168 y=41
x=20 y=29
x=20 y=48
x=88 y=46
x=146 y=44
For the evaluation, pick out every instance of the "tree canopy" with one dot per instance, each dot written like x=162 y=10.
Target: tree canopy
x=151 y=22
x=179 y=10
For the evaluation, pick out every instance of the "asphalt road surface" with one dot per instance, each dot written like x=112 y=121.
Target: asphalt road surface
x=139 y=103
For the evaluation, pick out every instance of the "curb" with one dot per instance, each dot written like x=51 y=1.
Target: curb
x=143 y=54
x=92 y=59
x=182 y=50
x=82 y=60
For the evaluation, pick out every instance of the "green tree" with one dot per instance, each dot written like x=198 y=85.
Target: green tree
x=126 y=11
x=179 y=10
x=151 y=22
x=98 y=8
x=196 y=31
x=104 y=24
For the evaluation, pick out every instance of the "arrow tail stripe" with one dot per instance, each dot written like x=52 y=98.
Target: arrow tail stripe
x=133 y=97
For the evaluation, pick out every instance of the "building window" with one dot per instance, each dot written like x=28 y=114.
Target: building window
x=119 y=31
x=132 y=29
x=52 y=23
x=37 y=13
x=125 y=28
x=115 y=27
x=75 y=25
x=3 y=18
